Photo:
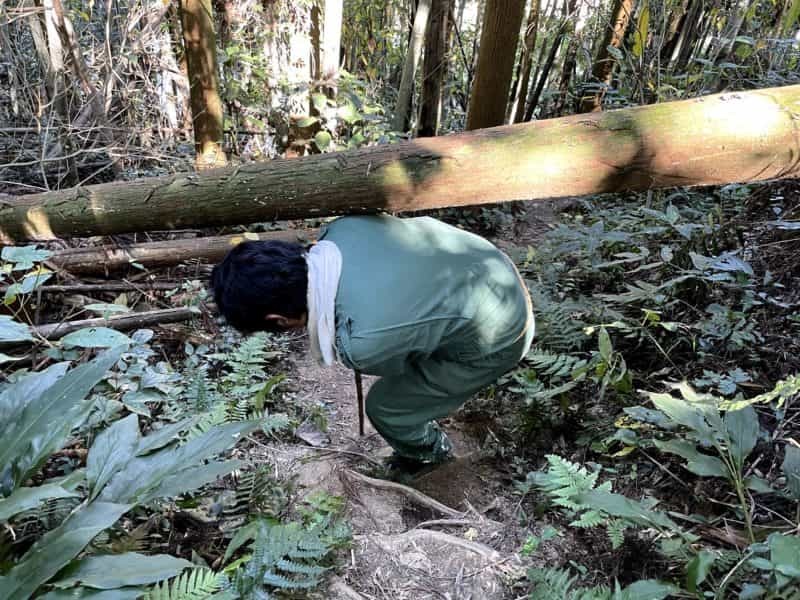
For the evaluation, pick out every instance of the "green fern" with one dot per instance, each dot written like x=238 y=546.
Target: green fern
x=559 y=584
x=259 y=492
x=557 y=327
x=555 y=366
x=194 y=584
x=564 y=480
x=616 y=532
x=284 y=557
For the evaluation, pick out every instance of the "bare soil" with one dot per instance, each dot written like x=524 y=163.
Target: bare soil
x=403 y=547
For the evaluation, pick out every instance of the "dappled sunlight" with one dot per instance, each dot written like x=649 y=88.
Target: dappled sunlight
x=743 y=116
x=37 y=224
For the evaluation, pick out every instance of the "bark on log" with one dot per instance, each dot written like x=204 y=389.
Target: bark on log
x=109 y=286
x=54 y=331
x=739 y=137
x=106 y=259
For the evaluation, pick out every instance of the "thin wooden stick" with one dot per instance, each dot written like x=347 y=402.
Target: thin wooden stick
x=360 y=394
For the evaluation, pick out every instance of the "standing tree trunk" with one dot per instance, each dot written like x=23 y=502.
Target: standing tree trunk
x=201 y=59
x=331 y=45
x=434 y=68
x=603 y=68
x=502 y=20
x=544 y=74
x=570 y=61
x=403 y=107
x=526 y=63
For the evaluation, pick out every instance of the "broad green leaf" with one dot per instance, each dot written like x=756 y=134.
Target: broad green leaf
x=104 y=309
x=640 y=35
x=648 y=589
x=4 y=358
x=697 y=462
x=23 y=257
x=742 y=426
x=192 y=478
x=113 y=448
x=161 y=437
x=751 y=591
x=243 y=535
x=96 y=337
x=618 y=505
x=348 y=113
x=14 y=331
x=791 y=17
x=319 y=101
x=81 y=593
x=135 y=401
x=27 y=498
x=604 y=345
x=684 y=413
x=122 y=570
x=144 y=475
x=791 y=469
x=323 y=140
x=784 y=552
x=58 y=547
x=34 y=279
x=47 y=418
x=758 y=485
x=306 y=122
x=698 y=569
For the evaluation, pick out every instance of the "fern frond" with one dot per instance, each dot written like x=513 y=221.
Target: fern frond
x=300 y=569
x=589 y=519
x=556 y=366
x=559 y=584
x=194 y=584
x=284 y=583
x=616 y=532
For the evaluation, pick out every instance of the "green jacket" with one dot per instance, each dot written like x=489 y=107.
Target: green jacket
x=415 y=288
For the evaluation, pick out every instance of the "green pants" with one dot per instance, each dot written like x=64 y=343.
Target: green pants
x=402 y=408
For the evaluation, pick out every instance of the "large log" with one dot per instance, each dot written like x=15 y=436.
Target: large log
x=102 y=260
x=745 y=136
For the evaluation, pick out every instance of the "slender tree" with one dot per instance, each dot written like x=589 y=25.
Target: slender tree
x=544 y=74
x=434 y=68
x=331 y=44
x=526 y=64
x=201 y=59
x=502 y=20
x=603 y=67
x=403 y=107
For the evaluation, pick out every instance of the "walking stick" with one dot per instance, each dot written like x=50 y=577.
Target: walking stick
x=360 y=394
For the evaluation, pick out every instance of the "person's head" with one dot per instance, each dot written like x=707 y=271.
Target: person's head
x=261 y=286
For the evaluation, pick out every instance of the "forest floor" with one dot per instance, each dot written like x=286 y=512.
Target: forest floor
x=451 y=533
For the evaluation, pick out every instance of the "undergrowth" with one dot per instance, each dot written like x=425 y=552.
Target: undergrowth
x=663 y=359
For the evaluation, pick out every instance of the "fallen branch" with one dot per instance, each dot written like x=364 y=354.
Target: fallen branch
x=54 y=331
x=110 y=286
x=414 y=495
x=106 y=259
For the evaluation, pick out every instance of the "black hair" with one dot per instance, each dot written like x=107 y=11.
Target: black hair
x=259 y=278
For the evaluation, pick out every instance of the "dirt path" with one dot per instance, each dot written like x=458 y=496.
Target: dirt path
x=454 y=534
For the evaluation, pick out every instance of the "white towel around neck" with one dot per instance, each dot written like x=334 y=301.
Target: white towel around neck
x=324 y=269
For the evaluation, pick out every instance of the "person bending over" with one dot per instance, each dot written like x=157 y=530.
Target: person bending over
x=438 y=313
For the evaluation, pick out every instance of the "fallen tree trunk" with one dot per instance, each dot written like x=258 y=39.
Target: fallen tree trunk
x=54 y=331
x=746 y=136
x=106 y=259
